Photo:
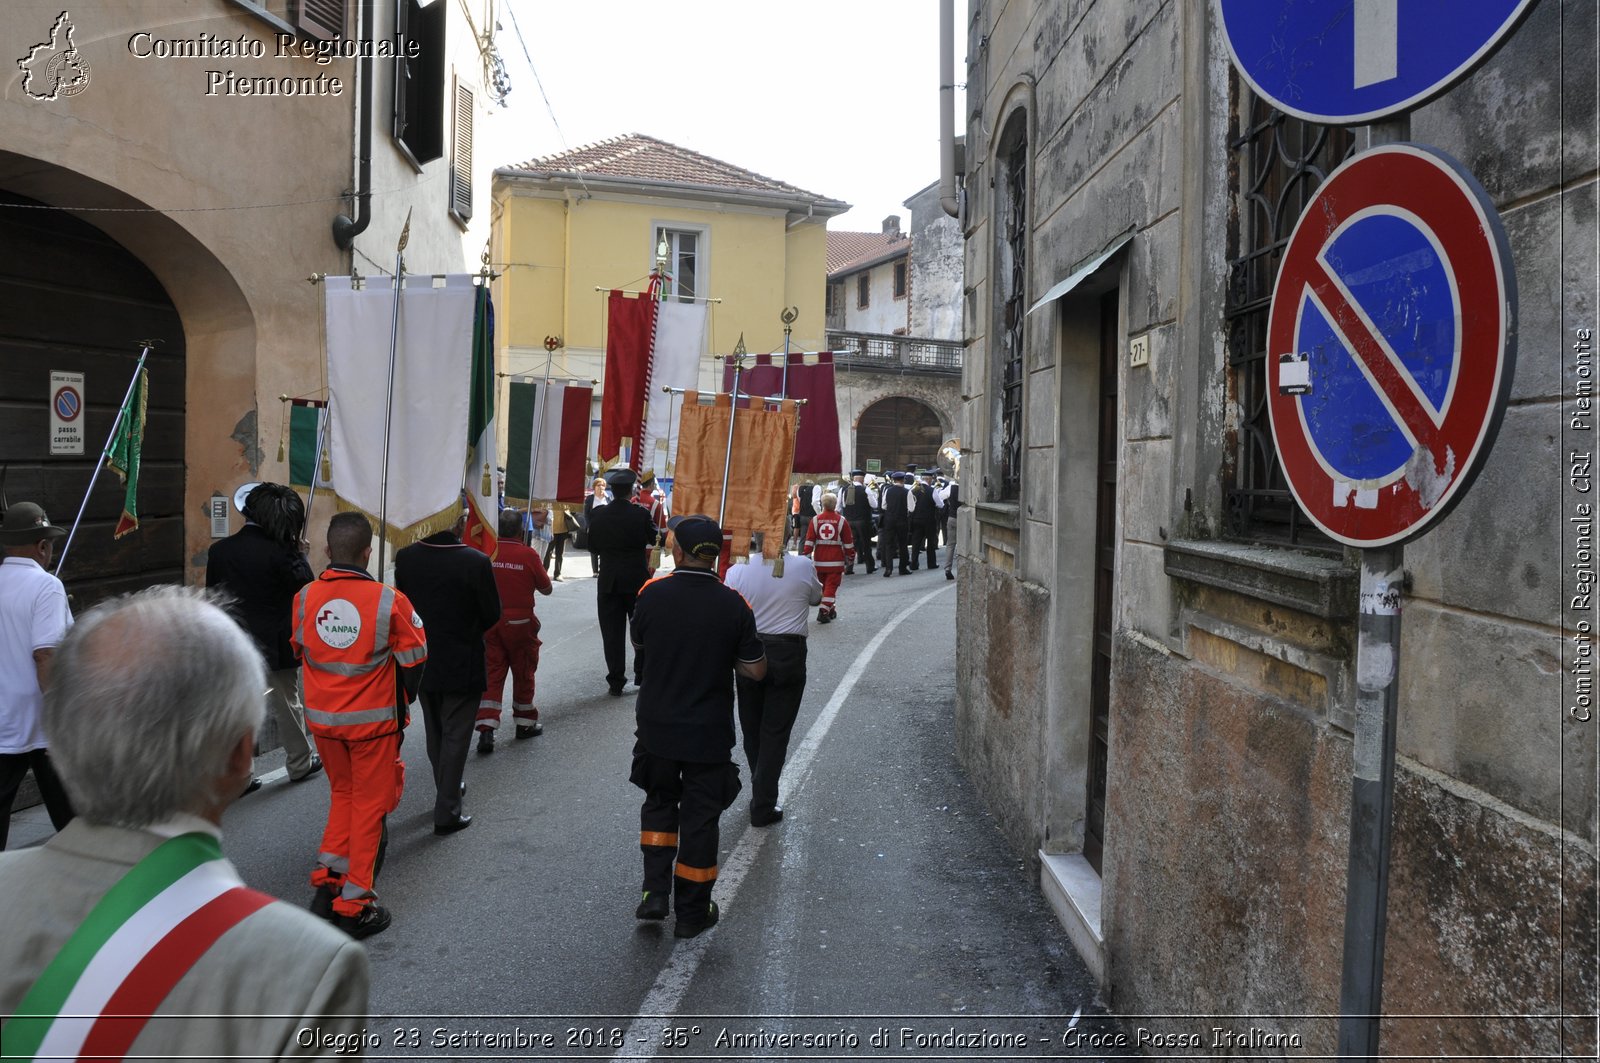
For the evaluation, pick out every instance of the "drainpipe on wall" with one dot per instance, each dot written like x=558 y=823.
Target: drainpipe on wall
x=345 y=230
x=947 y=108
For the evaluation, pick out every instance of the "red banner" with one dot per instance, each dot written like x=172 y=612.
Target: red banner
x=816 y=447
x=630 y=327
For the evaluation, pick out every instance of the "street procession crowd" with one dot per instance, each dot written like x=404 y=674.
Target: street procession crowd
x=139 y=720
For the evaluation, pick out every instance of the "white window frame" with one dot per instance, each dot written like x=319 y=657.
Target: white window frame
x=702 y=254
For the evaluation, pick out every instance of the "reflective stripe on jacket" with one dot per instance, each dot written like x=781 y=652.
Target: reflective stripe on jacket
x=349 y=632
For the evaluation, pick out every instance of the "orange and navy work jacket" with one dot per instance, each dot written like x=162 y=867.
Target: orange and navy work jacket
x=349 y=633
x=829 y=541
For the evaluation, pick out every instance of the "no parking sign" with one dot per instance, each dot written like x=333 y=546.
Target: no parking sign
x=1391 y=344
x=66 y=413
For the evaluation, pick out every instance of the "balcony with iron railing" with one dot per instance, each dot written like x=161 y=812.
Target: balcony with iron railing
x=895 y=354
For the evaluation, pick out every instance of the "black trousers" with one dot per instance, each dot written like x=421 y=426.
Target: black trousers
x=615 y=610
x=557 y=550
x=767 y=711
x=13 y=768
x=892 y=548
x=679 y=826
x=447 y=718
x=925 y=538
x=861 y=531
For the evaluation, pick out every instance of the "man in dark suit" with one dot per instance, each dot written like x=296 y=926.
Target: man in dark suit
x=621 y=535
x=924 y=519
x=896 y=526
x=262 y=566
x=857 y=507
x=452 y=587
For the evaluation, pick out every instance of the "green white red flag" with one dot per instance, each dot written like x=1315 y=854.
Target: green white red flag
x=123 y=453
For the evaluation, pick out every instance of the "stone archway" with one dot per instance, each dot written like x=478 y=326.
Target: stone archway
x=207 y=317
x=898 y=431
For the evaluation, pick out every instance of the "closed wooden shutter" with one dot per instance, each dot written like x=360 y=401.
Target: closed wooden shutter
x=461 y=156
x=322 y=19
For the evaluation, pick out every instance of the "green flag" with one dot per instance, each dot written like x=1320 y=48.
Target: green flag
x=123 y=453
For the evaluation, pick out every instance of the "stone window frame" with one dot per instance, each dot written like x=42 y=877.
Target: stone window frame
x=863 y=290
x=1008 y=350
x=1276 y=163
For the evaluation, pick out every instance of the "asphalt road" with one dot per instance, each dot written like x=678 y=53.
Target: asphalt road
x=885 y=906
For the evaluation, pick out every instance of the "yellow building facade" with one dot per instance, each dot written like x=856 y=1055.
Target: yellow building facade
x=569 y=228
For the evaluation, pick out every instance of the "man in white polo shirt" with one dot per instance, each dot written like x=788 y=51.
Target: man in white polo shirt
x=768 y=706
x=34 y=618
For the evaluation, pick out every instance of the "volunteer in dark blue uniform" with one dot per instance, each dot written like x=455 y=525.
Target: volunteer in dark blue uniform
x=692 y=634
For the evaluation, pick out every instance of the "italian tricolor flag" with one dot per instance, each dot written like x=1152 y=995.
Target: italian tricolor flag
x=99 y=992
x=549 y=436
x=483 y=507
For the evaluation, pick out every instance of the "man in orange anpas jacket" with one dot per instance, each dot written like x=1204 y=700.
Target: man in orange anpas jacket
x=361 y=646
x=513 y=643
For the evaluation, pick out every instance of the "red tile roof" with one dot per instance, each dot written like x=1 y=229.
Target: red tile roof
x=641 y=158
x=850 y=251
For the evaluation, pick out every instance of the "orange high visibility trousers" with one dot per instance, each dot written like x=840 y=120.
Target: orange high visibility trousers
x=365 y=780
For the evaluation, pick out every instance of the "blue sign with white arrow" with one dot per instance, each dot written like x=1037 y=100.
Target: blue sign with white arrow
x=1349 y=62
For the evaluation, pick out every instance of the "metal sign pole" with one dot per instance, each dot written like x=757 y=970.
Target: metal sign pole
x=1366 y=902
x=1371 y=801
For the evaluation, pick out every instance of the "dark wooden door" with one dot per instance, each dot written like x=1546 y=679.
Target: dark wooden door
x=73 y=299
x=898 y=431
x=1105 y=553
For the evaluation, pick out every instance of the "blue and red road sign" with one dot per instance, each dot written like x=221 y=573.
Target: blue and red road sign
x=1345 y=62
x=1391 y=344
x=68 y=403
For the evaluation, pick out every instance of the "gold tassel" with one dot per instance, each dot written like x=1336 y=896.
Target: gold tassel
x=281 y=453
x=488 y=488
x=777 y=565
x=327 y=466
x=655 y=557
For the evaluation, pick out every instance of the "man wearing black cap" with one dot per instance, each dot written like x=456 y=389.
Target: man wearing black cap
x=693 y=635
x=34 y=618
x=896 y=527
x=621 y=534
x=857 y=506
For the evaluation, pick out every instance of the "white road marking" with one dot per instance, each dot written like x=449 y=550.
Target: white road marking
x=660 y=1005
x=1377 y=43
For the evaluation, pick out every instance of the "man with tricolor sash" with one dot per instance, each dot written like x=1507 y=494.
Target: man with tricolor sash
x=129 y=935
x=361 y=647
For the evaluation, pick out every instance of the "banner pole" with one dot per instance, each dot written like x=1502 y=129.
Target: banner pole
x=727 y=458
x=550 y=345
x=388 y=402
x=105 y=453
x=316 y=466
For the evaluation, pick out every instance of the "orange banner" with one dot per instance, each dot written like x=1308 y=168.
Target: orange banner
x=758 y=477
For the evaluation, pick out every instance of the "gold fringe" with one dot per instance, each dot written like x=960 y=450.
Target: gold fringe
x=399 y=536
x=488 y=486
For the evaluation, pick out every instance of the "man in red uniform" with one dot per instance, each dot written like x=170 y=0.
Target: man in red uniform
x=513 y=643
x=831 y=546
x=361 y=646
x=649 y=495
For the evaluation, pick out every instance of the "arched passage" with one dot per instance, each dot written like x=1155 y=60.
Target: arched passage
x=897 y=431
x=74 y=300
x=98 y=281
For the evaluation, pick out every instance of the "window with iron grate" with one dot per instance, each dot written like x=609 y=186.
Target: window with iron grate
x=1011 y=276
x=1276 y=164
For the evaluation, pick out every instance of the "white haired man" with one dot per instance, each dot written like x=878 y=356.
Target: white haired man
x=129 y=934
